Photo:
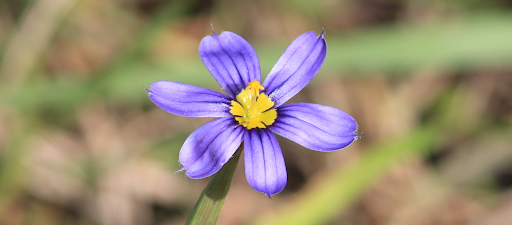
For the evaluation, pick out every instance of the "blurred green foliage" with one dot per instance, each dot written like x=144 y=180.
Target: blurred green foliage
x=476 y=37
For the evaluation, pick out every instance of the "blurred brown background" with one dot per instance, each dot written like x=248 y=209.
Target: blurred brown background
x=429 y=82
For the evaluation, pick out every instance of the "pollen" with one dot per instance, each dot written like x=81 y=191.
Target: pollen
x=252 y=109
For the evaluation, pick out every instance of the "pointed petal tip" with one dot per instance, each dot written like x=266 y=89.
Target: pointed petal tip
x=323 y=32
x=299 y=63
x=209 y=147
x=180 y=170
x=317 y=127
x=188 y=100
x=268 y=193
x=265 y=168
x=213 y=30
x=231 y=60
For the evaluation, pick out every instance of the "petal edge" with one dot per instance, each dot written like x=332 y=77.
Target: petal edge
x=296 y=67
x=317 y=127
x=209 y=147
x=231 y=60
x=264 y=163
x=188 y=100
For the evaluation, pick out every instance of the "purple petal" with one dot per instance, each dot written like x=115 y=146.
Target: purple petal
x=317 y=127
x=231 y=60
x=210 y=146
x=264 y=163
x=296 y=67
x=188 y=100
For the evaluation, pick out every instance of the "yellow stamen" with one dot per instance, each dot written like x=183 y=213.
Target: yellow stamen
x=252 y=108
x=255 y=86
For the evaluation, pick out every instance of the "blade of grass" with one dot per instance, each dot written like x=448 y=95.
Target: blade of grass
x=480 y=40
x=13 y=178
x=325 y=200
x=28 y=42
x=209 y=205
x=63 y=94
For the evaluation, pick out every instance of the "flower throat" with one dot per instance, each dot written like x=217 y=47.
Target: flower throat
x=252 y=108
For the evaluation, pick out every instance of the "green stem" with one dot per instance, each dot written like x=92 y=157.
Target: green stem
x=210 y=202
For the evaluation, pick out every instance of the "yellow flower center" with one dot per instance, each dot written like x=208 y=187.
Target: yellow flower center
x=252 y=108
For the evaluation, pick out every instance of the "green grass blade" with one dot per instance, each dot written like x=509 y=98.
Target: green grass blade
x=210 y=202
x=330 y=197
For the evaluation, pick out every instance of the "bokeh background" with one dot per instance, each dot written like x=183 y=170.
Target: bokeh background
x=429 y=82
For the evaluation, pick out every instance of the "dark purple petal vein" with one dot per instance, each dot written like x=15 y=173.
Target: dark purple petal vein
x=231 y=60
x=188 y=100
x=209 y=147
x=317 y=127
x=264 y=163
x=296 y=67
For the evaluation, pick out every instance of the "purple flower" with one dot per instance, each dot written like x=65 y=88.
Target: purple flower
x=252 y=112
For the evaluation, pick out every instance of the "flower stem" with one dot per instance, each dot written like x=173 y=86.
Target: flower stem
x=208 y=206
